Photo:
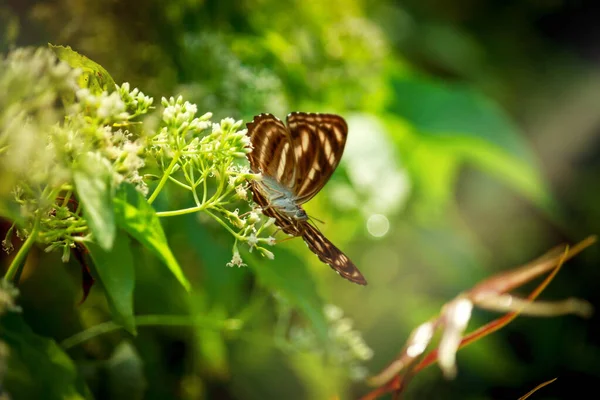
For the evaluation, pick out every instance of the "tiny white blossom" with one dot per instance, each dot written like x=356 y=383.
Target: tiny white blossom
x=252 y=240
x=241 y=192
x=246 y=141
x=66 y=254
x=253 y=217
x=266 y=253
x=269 y=222
x=236 y=261
x=7 y=246
x=227 y=123
x=216 y=128
x=231 y=181
x=333 y=312
x=110 y=105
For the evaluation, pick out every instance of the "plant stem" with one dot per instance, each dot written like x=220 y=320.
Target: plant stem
x=220 y=221
x=177 y=182
x=183 y=211
x=151 y=320
x=164 y=178
x=17 y=263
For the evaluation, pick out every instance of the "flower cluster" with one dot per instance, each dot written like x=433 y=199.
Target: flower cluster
x=8 y=294
x=348 y=349
x=48 y=124
x=205 y=158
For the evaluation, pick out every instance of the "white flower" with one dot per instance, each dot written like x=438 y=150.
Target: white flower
x=66 y=254
x=7 y=246
x=231 y=181
x=227 y=123
x=241 y=192
x=243 y=170
x=253 y=217
x=252 y=240
x=266 y=253
x=333 y=312
x=236 y=260
x=216 y=128
x=269 y=222
x=110 y=105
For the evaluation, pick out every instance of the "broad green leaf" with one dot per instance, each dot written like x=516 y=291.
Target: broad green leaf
x=125 y=373
x=139 y=219
x=37 y=368
x=93 y=182
x=289 y=276
x=221 y=284
x=93 y=76
x=115 y=270
x=222 y=293
x=10 y=210
x=459 y=121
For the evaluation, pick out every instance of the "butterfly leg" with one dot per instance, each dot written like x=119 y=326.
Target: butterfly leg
x=286 y=239
x=261 y=207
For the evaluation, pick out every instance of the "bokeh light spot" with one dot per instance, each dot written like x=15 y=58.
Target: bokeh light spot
x=378 y=225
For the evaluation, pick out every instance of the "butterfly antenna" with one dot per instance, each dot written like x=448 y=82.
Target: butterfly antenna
x=313 y=219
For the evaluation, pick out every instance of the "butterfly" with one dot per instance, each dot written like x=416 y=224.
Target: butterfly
x=295 y=162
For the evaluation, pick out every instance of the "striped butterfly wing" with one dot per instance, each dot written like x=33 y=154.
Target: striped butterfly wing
x=272 y=155
x=301 y=157
x=318 y=141
x=272 y=149
x=331 y=255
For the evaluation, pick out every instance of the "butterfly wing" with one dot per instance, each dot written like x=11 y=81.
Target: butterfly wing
x=318 y=142
x=301 y=157
x=331 y=255
x=272 y=149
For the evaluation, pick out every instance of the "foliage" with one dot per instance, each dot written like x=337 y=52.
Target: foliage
x=151 y=200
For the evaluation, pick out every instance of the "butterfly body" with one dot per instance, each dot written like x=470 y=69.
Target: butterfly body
x=295 y=162
x=281 y=198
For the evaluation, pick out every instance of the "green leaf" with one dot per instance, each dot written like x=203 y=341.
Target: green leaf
x=222 y=285
x=93 y=76
x=11 y=211
x=37 y=367
x=460 y=121
x=289 y=276
x=115 y=270
x=93 y=182
x=139 y=219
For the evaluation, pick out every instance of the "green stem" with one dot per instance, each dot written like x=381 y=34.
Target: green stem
x=66 y=198
x=203 y=176
x=14 y=270
x=183 y=211
x=177 y=182
x=164 y=178
x=151 y=320
x=237 y=236
x=194 y=186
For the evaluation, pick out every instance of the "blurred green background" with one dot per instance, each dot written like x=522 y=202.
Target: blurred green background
x=474 y=147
